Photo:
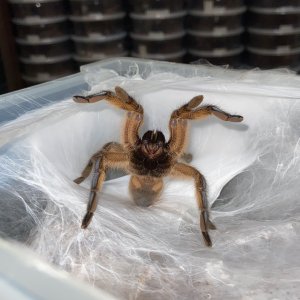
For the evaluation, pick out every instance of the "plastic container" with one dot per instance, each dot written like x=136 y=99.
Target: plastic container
x=91 y=7
x=172 y=57
x=226 y=20
x=283 y=18
x=274 y=3
x=38 y=30
x=266 y=227
x=52 y=68
x=93 y=48
x=148 y=7
x=163 y=44
x=158 y=23
x=209 y=41
x=98 y=25
x=209 y=5
x=32 y=10
x=218 y=56
x=268 y=59
x=42 y=50
x=279 y=39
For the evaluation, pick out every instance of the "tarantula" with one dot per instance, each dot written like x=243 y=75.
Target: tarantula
x=150 y=158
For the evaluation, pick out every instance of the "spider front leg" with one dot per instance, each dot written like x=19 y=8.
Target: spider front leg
x=190 y=111
x=184 y=170
x=178 y=138
x=119 y=98
x=130 y=134
x=178 y=127
x=112 y=155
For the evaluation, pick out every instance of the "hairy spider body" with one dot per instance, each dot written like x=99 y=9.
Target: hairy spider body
x=150 y=158
x=149 y=161
x=145 y=166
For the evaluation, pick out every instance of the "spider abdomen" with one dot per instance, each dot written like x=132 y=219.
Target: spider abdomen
x=145 y=190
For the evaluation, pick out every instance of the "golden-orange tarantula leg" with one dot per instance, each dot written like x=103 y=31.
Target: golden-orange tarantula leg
x=207 y=110
x=178 y=136
x=190 y=111
x=184 y=170
x=112 y=155
x=193 y=103
x=119 y=98
x=113 y=146
x=132 y=124
x=178 y=122
x=178 y=128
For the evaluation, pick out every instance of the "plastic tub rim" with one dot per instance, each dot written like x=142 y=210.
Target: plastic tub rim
x=279 y=31
x=225 y=53
x=160 y=56
x=275 y=11
x=158 y=16
x=55 y=59
x=222 y=11
x=97 y=17
x=33 y=1
x=100 y=57
x=100 y=39
x=171 y=36
x=276 y=52
x=215 y=33
x=39 y=21
x=79 y=0
x=47 y=41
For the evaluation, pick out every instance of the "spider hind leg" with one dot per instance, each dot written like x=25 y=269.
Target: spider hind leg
x=182 y=170
x=112 y=155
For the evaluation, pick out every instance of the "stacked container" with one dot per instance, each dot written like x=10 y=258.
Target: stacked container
x=42 y=37
x=98 y=29
x=274 y=33
x=157 y=29
x=215 y=31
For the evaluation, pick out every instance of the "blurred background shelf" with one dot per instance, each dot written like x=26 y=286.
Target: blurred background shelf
x=35 y=35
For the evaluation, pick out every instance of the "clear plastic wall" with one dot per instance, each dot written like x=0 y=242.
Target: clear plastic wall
x=251 y=168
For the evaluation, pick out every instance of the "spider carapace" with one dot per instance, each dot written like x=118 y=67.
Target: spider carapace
x=150 y=158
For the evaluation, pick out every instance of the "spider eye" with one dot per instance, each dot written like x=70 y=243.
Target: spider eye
x=160 y=144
